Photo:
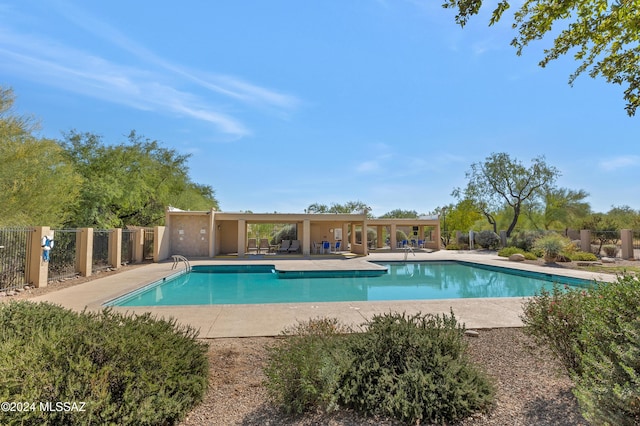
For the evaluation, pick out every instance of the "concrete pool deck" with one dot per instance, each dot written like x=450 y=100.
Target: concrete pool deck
x=216 y=321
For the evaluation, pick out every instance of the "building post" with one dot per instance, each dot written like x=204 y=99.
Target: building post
x=84 y=249
x=115 y=248
x=626 y=237
x=585 y=240
x=160 y=244
x=38 y=268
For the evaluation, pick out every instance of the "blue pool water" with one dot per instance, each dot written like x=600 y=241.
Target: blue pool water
x=216 y=285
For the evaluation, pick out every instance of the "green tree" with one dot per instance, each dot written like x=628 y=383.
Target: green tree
x=400 y=214
x=604 y=35
x=500 y=181
x=350 y=207
x=37 y=185
x=624 y=217
x=131 y=183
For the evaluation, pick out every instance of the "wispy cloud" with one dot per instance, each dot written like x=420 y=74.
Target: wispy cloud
x=156 y=85
x=619 y=162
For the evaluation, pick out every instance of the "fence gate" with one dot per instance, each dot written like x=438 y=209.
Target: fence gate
x=14 y=252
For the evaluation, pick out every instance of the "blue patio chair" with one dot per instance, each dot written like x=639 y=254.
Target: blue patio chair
x=326 y=246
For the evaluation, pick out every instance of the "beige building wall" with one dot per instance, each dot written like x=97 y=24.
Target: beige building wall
x=189 y=235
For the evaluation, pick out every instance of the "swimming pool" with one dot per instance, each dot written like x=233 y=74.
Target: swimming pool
x=258 y=284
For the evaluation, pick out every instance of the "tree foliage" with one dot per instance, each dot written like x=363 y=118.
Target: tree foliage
x=350 y=207
x=130 y=183
x=603 y=34
x=37 y=185
x=400 y=214
x=500 y=181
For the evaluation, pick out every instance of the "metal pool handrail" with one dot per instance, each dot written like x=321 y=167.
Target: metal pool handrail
x=177 y=258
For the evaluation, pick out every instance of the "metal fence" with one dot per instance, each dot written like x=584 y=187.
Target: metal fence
x=100 y=260
x=14 y=247
x=62 y=261
x=147 y=247
x=126 y=250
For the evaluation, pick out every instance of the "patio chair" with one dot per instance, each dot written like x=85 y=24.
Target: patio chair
x=326 y=246
x=284 y=246
x=252 y=245
x=337 y=247
x=294 y=247
x=264 y=245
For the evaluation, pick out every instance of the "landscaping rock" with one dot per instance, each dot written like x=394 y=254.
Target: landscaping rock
x=608 y=260
x=471 y=333
x=517 y=257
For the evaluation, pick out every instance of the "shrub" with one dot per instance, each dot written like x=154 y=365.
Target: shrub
x=302 y=371
x=610 y=250
x=453 y=246
x=551 y=245
x=524 y=239
x=595 y=334
x=128 y=370
x=508 y=251
x=415 y=369
x=530 y=256
x=487 y=239
x=583 y=256
x=608 y=389
x=554 y=318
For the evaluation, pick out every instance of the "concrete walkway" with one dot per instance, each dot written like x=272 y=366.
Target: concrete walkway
x=270 y=319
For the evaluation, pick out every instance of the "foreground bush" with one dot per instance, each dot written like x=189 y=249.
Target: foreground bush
x=412 y=368
x=118 y=369
x=303 y=369
x=595 y=332
x=583 y=256
x=415 y=369
x=608 y=388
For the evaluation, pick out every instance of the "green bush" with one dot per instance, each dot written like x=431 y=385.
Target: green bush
x=508 y=251
x=608 y=388
x=303 y=369
x=487 y=239
x=530 y=256
x=524 y=239
x=583 y=256
x=551 y=245
x=415 y=369
x=453 y=246
x=127 y=370
x=555 y=318
x=596 y=334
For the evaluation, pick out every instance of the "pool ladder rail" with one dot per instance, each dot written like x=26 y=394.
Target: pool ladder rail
x=177 y=258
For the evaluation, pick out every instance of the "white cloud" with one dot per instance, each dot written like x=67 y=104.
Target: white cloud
x=619 y=162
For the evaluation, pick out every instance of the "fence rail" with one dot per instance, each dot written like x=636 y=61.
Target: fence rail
x=14 y=252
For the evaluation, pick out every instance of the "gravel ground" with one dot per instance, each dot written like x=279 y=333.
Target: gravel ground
x=531 y=387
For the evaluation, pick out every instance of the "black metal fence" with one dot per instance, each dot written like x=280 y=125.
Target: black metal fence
x=14 y=248
x=147 y=247
x=62 y=261
x=126 y=250
x=100 y=260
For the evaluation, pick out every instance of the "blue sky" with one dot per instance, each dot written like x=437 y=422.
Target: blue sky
x=283 y=103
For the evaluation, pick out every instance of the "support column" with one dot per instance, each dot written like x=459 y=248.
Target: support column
x=393 y=242
x=84 y=249
x=242 y=237
x=37 y=268
x=138 y=245
x=585 y=240
x=160 y=244
x=306 y=237
x=379 y=239
x=115 y=248
x=626 y=237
